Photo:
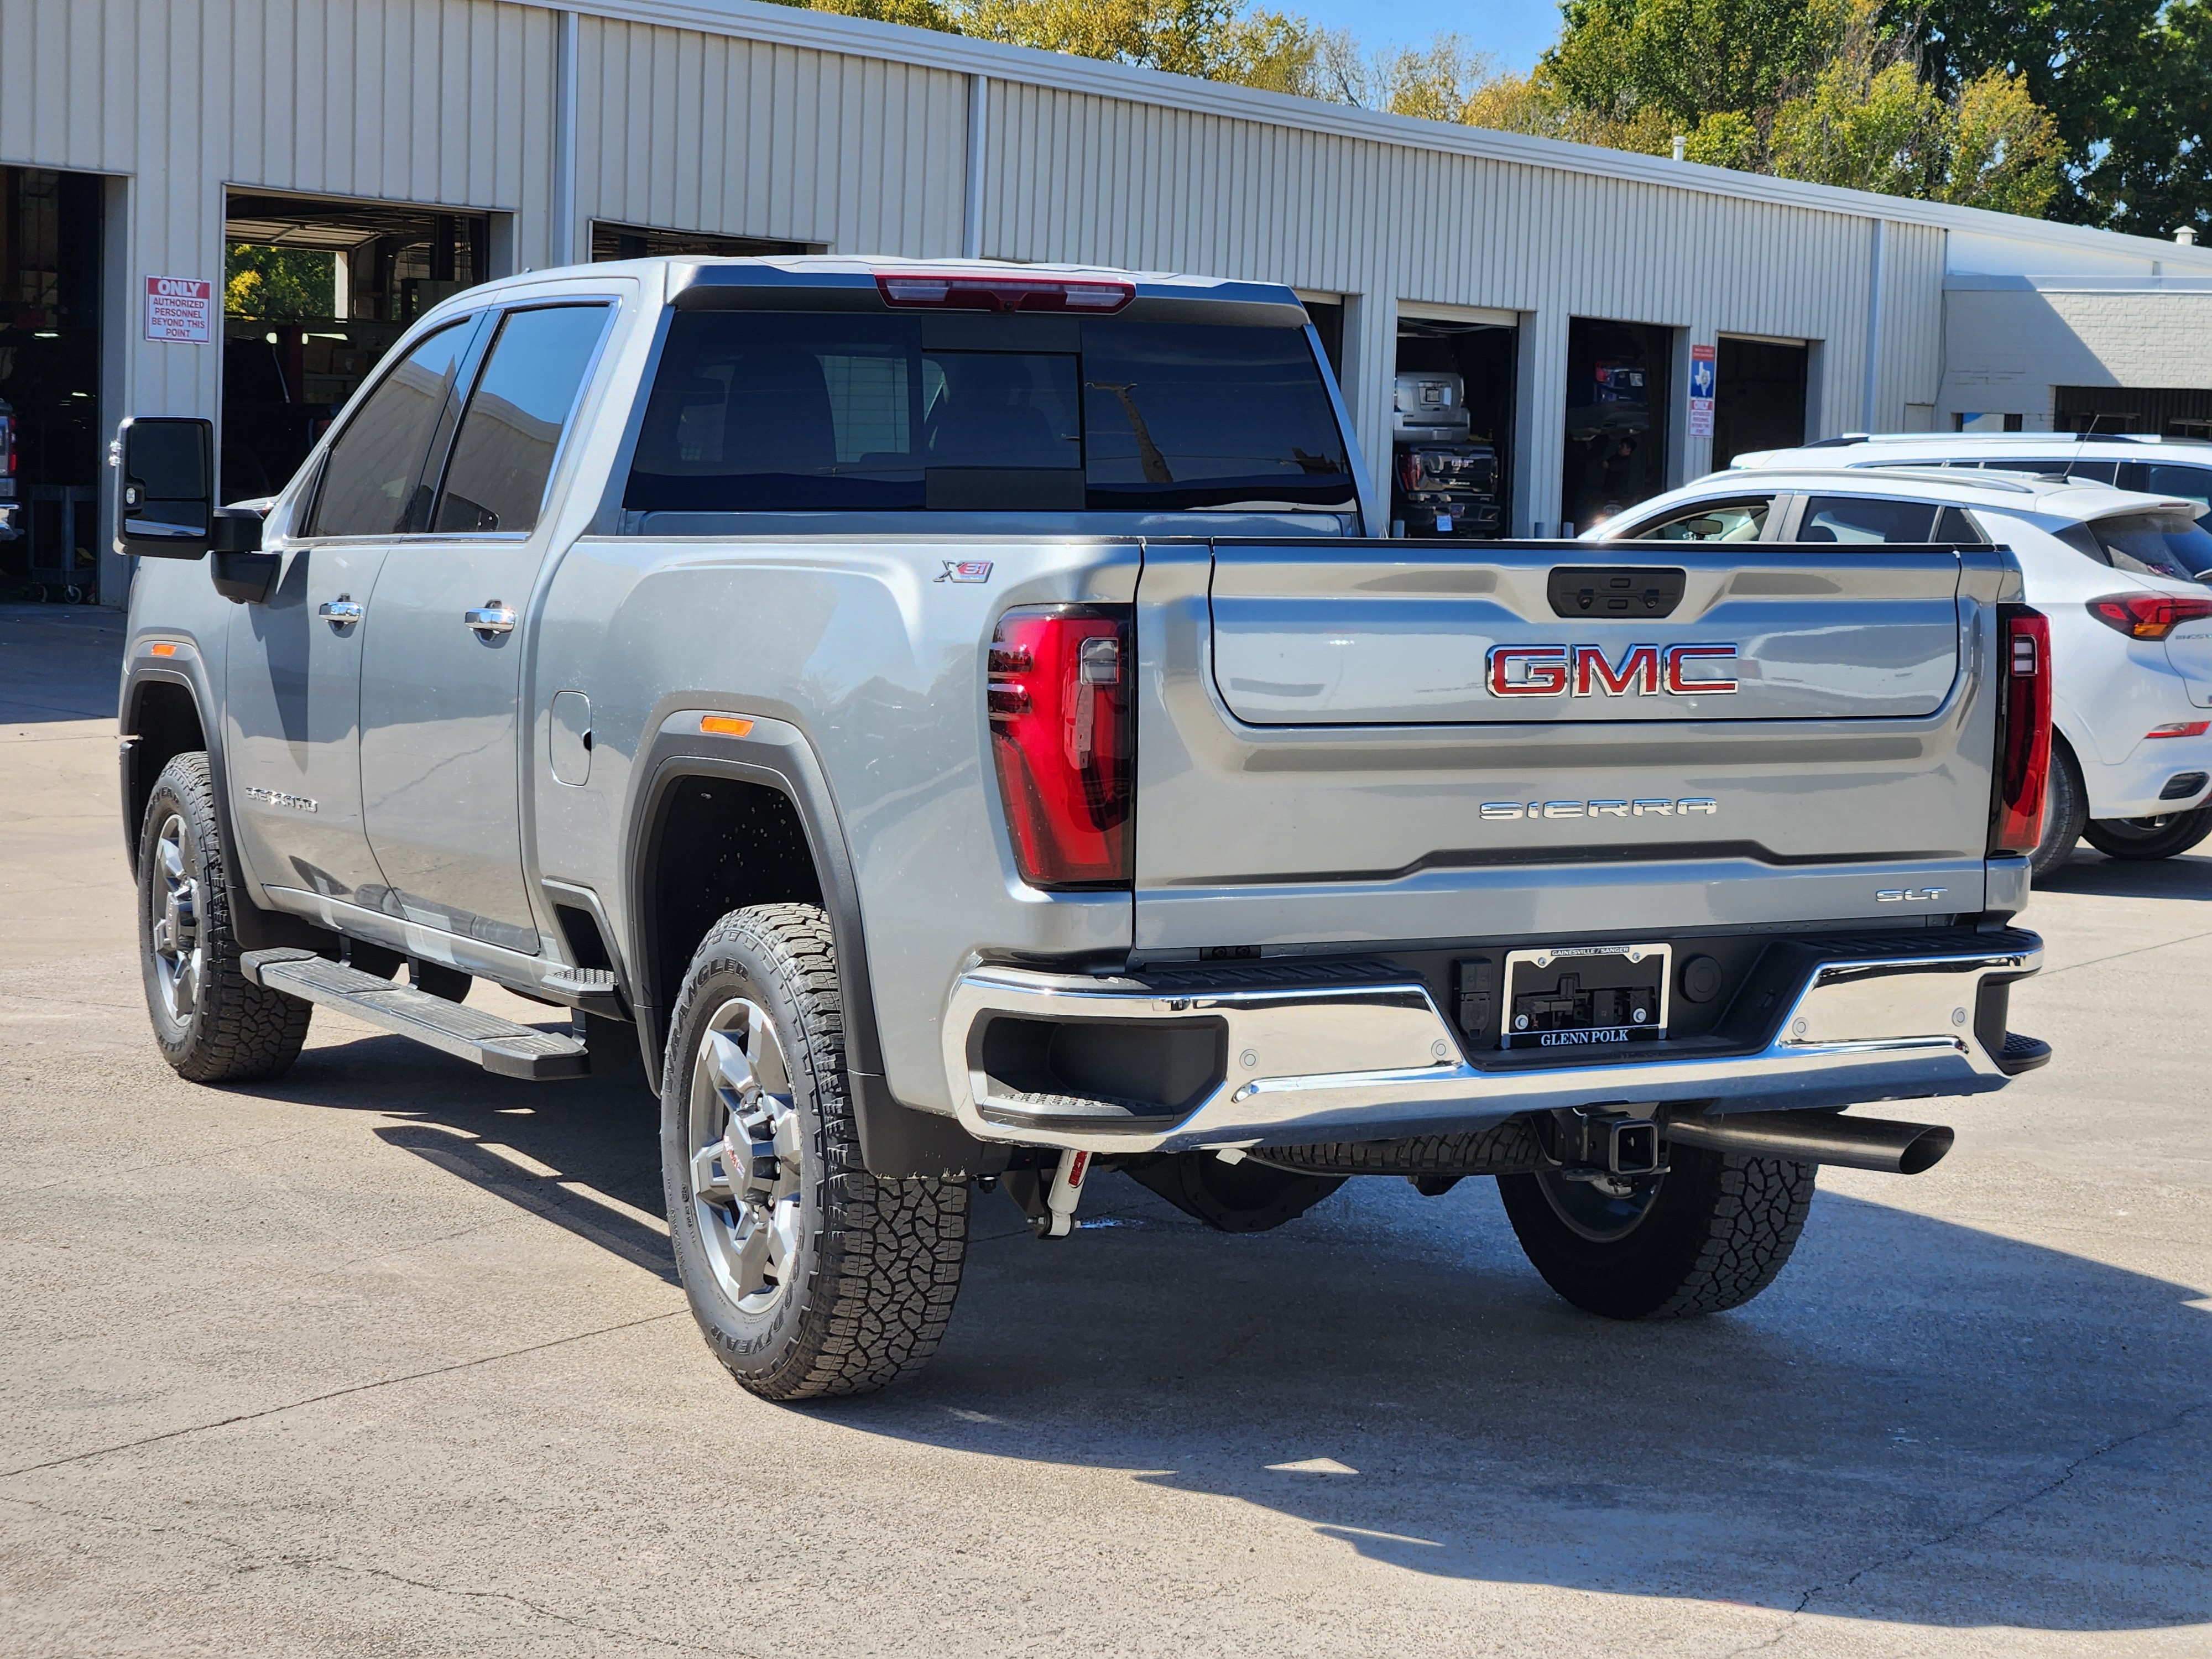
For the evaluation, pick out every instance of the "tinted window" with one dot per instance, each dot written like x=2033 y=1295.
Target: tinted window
x=1866 y=518
x=2156 y=543
x=2193 y=483
x=503 y=455
x=1723 y=521
x=1189 y=415
x=767 y=412
x=1954 y=525
x=372 y=484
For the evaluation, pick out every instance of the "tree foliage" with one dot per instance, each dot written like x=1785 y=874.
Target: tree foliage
x=2128 y=84
x=279 y=284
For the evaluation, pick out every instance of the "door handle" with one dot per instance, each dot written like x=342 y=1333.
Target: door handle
x=490 y=619
x=341 y=612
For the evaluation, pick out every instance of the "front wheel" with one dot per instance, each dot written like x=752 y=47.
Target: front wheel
x=1709 y=1235
x=2148 y=838
x=808 y=1275
x=214 y=1025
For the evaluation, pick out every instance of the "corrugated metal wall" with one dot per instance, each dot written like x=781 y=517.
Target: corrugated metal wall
x=698 y=132
x=743 y=125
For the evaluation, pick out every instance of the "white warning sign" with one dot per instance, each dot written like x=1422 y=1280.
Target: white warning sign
x=179 y=309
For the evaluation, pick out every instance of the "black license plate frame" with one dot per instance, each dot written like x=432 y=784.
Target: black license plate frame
x=1628 y=1006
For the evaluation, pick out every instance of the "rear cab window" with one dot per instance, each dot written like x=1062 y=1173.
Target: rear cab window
x=772 y=411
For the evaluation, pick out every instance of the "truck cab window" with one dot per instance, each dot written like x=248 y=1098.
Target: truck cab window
x=760 y=412
x=1866 y=518
x=510 y=431
x=1718 y=521
x=373 y=484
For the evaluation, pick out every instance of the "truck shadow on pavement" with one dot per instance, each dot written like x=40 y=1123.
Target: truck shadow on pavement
x=1921 y=1422
x=2187 y=876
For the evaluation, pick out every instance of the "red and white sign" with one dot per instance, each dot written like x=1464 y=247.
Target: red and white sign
x=1703 y=360
x=179 y=309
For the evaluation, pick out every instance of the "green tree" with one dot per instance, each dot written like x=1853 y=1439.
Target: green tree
x=279 y=284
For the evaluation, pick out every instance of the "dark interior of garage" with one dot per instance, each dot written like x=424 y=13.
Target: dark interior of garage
x=50 y=247
x=1452 y=429
x=2168 y=412
x=316 y=290
x=614 y=241
x=1617 y=381
x=1758 y=400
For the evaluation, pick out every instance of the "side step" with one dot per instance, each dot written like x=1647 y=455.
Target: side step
x=500 y=1046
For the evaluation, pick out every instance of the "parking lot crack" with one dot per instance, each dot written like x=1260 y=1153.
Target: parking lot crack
x=339 y=1565
x=2011 y=1506
x=334 y=1394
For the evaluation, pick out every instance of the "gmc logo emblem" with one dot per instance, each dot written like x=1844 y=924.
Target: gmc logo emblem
x=1581 y=671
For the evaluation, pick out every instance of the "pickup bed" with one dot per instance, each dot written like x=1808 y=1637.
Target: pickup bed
x=955 y=723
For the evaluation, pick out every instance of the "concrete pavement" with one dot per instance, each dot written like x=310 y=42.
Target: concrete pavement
x=388 y=1359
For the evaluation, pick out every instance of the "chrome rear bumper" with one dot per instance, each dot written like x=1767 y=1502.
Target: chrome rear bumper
x=1312 y=1061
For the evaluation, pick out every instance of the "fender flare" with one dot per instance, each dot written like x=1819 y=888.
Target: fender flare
x=897 y=1141
x=255 y=928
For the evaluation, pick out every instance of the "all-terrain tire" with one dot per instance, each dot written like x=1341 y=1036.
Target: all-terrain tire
x=880 y=1262
x=1717 y=1232
x=229 y=1030
x=2150 y=838
x=2065 y=813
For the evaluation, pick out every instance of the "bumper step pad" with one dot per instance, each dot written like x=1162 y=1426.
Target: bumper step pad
x=500 y=1046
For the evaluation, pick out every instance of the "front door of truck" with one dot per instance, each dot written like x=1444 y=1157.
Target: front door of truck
x=441 y=675
x=293 y=679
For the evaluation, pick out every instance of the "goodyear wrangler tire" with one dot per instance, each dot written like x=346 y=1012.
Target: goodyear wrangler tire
x=808 y=1276
x=214 y=1025
x=1709 y=1235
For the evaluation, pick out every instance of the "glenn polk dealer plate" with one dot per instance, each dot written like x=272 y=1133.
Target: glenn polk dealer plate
x=1577 y=994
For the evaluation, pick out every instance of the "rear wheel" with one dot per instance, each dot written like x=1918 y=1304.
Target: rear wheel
x=2065 y=813
x=2150 y=838
x=1707 y=1235
x=808 y=1275
x=214 y=1025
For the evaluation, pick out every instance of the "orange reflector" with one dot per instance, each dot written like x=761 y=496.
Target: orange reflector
x=727 y=726
x=164 y=650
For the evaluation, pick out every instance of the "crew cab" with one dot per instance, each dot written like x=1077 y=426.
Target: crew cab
x=958 y=724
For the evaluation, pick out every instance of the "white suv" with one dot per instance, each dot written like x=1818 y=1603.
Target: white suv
x=2120 y=575
x=2178 y=467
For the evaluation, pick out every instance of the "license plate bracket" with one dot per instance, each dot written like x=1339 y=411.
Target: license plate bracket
x=1585 y=996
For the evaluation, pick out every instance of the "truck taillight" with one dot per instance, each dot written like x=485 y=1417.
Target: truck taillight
x=2024 y=740
x=1064 y=741
x=1097 y=296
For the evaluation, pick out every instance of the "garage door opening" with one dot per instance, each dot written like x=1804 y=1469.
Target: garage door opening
x=315 y=291
x=1759 y=400
x=1451 y=428
x=1617 y=381
x=614 y=241
x=49 y=419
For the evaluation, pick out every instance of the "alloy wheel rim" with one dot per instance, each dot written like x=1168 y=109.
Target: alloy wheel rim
x=1605 y=1210
x=178 y=953
x=746 y=1169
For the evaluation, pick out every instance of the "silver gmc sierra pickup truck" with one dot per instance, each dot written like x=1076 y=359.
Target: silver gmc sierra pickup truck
x=956 y=722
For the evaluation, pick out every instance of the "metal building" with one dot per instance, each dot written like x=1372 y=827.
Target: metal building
x=1581 y=295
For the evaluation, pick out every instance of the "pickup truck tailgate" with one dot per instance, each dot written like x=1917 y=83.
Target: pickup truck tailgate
x=1402 y=742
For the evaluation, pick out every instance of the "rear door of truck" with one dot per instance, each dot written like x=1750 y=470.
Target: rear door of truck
x=1351 y=743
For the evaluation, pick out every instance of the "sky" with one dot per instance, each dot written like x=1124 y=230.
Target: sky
x=1514 y=31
